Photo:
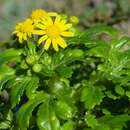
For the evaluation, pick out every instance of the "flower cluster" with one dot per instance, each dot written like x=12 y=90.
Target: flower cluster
x=51 y=28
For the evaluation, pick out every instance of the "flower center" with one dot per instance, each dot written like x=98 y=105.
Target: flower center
x=26 y=28
x=53 y=31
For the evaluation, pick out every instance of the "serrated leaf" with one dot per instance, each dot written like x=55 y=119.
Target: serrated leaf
x=4 y=125
x=91 y=120
x=25 y=112
x=91 y=96
x=46 y=117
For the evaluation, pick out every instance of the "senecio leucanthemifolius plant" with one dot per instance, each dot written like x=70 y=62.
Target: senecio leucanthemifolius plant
x=54 y=76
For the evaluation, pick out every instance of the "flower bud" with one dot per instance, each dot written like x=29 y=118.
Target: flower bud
x=74 y=20
x=37 y=68
x=23 y=65
x=30 y=60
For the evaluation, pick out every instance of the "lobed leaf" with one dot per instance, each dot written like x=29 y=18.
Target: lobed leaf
x=46 y=117
x=25 y=112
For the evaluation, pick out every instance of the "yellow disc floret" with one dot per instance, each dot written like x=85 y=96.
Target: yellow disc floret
x=24 y=30
x=54 y=29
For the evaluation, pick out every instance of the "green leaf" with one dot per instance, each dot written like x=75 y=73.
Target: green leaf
x=18 y=89
x=69 y=125
x=98 y=29
x=32 y=86
x=7 y=123
x=5 y=80
x=110 y=95
x=4 y=125
x=101 y=49
x=66 y=57
x=6 y=70
x=103 y=127
x=25 y=112
x=115 y=122
x=46 y=117
x=119 y=90
x=121 y=42
x=65 y=71
x=128 y=94
x=9 y=54
x=63 y=110
x=91 y=120
x=91 y=96
x=61 y=89
x=88 y=36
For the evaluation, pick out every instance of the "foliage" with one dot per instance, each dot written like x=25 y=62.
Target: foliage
x=84 y=86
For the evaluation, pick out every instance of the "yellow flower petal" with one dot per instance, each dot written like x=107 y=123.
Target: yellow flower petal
x=38 y=32
x=52 y=14
x=54 y=27
x=61 y=42
x=43 y=38
x=38 y=13
x=18 y=34
x=14 y=32
x=40 y=26
x=55 y=45
x=67 y=34
x=20 y=39
x=29 y=34
x=47 y=44
x=63 y=22
x=67 y=26
x=24 y=36
x=24 y=30
x=47 y=21
x=57 y=20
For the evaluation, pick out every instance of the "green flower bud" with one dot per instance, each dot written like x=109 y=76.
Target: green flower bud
x=37 y=68
x=74 y=20
x=77 y=53
x=30 y=60
x=23 y=65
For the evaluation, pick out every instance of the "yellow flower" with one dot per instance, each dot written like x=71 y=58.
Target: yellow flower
x=53 y=31
x=24 y=30
x=38 y=14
